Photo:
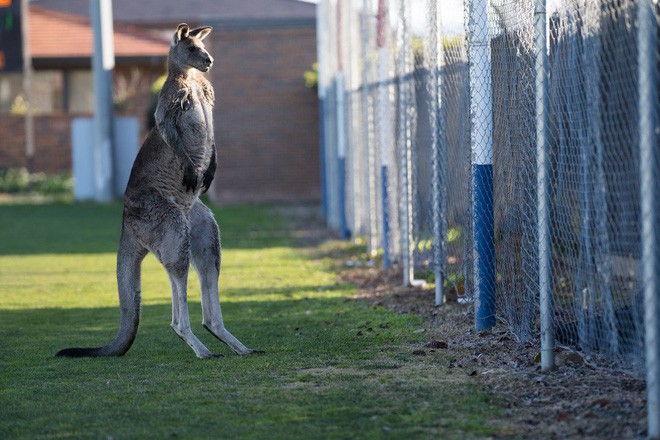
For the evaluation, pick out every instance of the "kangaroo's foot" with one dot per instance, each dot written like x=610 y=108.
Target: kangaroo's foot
x=189 y=338
x=223 y=335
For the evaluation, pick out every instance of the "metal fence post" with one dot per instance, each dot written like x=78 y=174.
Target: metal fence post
x=481 y=137
x=438 y=152
x=649 y=175
x=543 y=189
x=405 y=140
x=372 y=244
x=383 y=128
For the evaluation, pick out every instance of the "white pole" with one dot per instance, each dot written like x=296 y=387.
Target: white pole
x=103 y=62
x=543 y=190
x=321 y=42
x=649 y=178
x=481 y=107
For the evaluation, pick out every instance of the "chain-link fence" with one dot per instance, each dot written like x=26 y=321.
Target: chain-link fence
x=507 y=151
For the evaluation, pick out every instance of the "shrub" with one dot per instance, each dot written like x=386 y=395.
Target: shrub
x=20 y=181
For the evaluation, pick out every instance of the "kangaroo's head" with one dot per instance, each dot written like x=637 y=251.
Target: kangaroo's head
x=188 y=51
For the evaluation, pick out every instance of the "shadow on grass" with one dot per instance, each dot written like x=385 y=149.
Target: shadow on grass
x=305 y=328
x=95 y=228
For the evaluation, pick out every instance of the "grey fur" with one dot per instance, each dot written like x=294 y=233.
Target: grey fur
x=162 y=210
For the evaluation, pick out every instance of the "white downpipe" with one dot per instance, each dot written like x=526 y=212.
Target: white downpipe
x=384 y=128
x=341 y=116
x=103 y=62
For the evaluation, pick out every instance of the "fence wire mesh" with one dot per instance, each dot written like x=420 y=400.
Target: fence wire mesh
x=446 y=103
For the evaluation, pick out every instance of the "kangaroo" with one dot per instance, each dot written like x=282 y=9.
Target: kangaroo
x=162 y=211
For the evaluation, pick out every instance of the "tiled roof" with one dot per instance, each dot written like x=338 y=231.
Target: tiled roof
x=59 y=35
x=172 y=12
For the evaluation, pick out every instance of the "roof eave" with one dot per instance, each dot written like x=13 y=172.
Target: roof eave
x=42 y=63
x=232 y=23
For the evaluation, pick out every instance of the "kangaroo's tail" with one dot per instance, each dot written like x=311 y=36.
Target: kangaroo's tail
x=129 y=262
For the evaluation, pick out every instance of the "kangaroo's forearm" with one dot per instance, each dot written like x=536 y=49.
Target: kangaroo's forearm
x=172 y=137
x=213 y=165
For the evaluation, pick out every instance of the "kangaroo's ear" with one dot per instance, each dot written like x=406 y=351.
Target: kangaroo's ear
x=181 y=32
x=201 y=32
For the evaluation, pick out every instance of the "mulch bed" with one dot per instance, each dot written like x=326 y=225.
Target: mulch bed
x=583 y=397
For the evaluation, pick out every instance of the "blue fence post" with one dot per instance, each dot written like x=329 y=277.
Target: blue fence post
x=383 y=128
x=341 y=154
x=481 y=130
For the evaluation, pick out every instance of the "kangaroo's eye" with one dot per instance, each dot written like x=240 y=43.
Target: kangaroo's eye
x=192 y=48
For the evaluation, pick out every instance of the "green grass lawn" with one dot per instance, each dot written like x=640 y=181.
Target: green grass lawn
x=324 y=375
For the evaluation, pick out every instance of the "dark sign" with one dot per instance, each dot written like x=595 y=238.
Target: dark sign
x=11 y=47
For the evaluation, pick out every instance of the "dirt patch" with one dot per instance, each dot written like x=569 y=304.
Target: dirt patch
x=581 y=398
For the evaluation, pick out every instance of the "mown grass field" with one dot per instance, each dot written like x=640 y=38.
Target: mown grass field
x=324 y=375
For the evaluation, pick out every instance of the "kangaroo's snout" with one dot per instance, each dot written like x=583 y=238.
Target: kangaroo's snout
x=205 y=61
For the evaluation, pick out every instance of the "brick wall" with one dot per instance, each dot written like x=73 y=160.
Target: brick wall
x=52 y=142
x=266 y=119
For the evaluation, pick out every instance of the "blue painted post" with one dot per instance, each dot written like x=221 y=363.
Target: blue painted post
x=481 y=108
x=341 y=154
x=341 y=129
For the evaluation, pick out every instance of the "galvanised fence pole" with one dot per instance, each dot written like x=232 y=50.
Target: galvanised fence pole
x=543 y=189
x=405 y=142
x=438 y=152
x=372 y=213
x=649 y=175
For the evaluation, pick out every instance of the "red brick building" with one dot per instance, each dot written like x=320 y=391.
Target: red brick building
x=266 y=119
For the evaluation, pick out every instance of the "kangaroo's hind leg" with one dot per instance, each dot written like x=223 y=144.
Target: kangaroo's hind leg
x=206 y=254
x=171 y=245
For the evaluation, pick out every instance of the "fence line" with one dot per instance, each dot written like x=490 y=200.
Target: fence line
x=506 y=151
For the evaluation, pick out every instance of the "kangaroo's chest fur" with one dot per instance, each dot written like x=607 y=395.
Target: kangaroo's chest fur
x=195 y=100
